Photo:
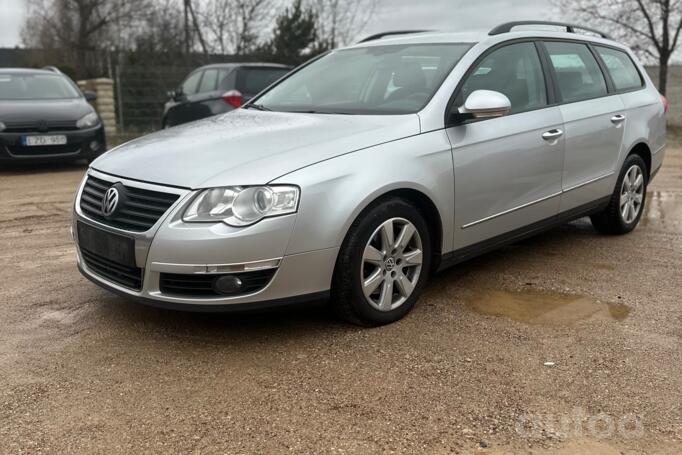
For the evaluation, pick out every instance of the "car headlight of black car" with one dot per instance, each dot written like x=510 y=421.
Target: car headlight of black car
x=88 y=121
x=2 y=127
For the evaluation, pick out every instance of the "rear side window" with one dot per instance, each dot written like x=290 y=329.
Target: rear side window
x=515 y=71
x=622 y=69
x=251 y=81
x=578 y=72
x=208 y=82
x=226 y=79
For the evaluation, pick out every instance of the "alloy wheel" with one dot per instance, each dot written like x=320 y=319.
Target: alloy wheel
x=391 y=264
x=632 y=194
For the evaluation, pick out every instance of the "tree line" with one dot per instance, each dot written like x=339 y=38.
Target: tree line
x=285 y=31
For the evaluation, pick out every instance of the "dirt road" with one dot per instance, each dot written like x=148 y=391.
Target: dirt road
x=566 y=343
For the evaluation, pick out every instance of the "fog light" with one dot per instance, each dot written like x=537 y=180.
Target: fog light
x=94 y=146
x=227 y=285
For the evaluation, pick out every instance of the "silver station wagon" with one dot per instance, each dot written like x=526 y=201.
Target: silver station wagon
x=364 y=171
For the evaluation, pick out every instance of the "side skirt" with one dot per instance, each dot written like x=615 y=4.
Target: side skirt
x=477 y=249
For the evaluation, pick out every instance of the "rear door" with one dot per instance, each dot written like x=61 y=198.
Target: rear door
x=507 y=169
x=642 y=105
x=594 y=118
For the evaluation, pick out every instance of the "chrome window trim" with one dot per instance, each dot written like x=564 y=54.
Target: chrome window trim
x=539 y=41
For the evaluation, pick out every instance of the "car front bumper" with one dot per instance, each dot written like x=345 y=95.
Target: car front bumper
x=80 y=144
x=203 y=251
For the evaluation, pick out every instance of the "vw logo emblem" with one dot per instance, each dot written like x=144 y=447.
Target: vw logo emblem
x=110 y=201
x=389 y=264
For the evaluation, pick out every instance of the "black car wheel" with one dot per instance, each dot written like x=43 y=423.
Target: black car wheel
x=383 y=264
x=627 y=201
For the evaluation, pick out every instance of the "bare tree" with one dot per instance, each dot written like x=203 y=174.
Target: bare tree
x=339 y=21
x=651 y=27
x=190 y=13
x=217 y=17
x=158 y=33
x=79 y=26
x=233 y=25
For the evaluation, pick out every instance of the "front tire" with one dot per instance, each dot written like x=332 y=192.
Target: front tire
x=383 y=264
x=627 y=202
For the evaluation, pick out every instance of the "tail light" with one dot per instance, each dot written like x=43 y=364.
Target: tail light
x=234 y=98
x=666 y=104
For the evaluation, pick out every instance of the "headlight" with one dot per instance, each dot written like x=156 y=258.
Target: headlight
x=242 y=206
x=88 y=121
x=2 y=126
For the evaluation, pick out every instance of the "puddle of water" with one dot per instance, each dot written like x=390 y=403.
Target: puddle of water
x=663 y=208
x=545 y=308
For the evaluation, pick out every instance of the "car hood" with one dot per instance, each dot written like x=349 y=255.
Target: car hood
x=249 y=147
x=20 y=111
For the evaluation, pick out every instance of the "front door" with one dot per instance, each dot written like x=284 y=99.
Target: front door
x=507 y=170
x=181 y=111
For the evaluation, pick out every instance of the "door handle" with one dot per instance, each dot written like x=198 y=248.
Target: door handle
x=552 y=135
x=617 y=119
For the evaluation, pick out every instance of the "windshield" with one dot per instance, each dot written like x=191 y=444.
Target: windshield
x=36 y=87
x=392 y=79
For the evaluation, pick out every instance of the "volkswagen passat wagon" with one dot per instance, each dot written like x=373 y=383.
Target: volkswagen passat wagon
x=371 y=167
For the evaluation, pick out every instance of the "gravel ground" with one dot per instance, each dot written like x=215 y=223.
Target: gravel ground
x=565 y=343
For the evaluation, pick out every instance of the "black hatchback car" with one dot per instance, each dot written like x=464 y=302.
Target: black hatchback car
x=219 y=88
x=45 y=116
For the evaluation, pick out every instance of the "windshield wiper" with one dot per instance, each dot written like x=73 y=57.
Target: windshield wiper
x=312 y=111
x=258 y=107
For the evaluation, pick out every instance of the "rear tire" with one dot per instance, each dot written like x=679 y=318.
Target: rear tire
x=383 y=264
x=626 y=206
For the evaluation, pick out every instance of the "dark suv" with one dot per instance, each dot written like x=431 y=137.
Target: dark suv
x=215 y=89
x=45 y=116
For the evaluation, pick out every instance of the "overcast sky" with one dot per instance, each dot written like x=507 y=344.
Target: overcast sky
x=455 y=14
x=391 y=15
x=11 y=17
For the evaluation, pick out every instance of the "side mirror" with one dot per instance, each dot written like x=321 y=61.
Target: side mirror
x=90 y=96
x=176 y=95
x=486 y=104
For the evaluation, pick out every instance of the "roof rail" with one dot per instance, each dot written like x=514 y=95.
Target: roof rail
x=385 y=34
x=570 y=28
x=54 y=69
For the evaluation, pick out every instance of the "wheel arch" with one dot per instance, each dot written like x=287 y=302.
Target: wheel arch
x=643 y=150
x=423 y=203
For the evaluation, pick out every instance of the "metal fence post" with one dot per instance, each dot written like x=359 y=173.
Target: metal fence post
x=119 y=98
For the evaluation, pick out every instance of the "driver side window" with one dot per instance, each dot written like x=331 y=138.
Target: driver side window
x=514 y=71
